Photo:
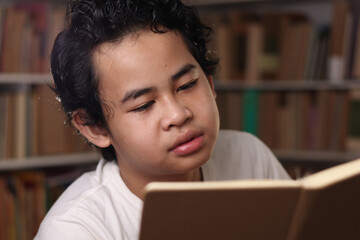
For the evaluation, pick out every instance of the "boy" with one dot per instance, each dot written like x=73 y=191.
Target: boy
x=135 y=78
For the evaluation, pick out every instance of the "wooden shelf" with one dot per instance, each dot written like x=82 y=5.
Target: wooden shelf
x=62 y=160
x=219 y=2
x=311 y=157
x=233 y=85
x=25 y=78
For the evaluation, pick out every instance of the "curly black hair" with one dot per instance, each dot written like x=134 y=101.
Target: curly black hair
x=90 y=23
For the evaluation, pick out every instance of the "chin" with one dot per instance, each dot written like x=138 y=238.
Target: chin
x=204 y=158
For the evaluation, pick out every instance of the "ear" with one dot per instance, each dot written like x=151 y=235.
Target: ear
x=211 y=82
x=94 y=133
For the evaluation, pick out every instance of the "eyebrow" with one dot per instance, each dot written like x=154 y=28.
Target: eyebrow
x=182 y=71
x=135 y=93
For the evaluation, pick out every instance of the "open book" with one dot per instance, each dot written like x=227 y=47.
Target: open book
x=325 y=205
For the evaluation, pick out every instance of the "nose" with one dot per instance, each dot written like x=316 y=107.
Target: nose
x=175 y=114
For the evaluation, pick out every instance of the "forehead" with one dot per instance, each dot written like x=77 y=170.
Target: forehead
x=144 y=48
x=140 y=57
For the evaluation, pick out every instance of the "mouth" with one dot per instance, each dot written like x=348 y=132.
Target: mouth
x=188 y=143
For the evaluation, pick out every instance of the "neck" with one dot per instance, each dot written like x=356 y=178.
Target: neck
x=137 y=184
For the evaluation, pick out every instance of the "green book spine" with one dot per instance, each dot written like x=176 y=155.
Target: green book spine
x=250 y=111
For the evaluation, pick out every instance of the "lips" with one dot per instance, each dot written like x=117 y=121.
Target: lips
x=187 y=143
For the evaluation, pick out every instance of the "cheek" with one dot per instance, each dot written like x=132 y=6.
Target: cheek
x=207 y=108
x=132 y=133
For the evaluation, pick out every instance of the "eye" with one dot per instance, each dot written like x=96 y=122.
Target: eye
x=144 y=107
x=187 y=86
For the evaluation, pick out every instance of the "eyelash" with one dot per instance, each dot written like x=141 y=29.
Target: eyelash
x=147 y=105
x=144 y=107
x=187 y=86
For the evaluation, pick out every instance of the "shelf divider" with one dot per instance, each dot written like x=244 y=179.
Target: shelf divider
x=25 y=78
x=60 y=160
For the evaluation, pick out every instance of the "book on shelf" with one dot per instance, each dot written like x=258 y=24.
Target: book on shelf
x=295 y=41
x=32 y=124
x=26 y=196
x=234 y=110
x=56 y=23
x=353 y=140
x=13 y=141
x=355 y=71
x=340 y=121
x=222 y=103
x=21 y=210
x=254 y=52
x=250 y=118
x=286 y=45
x=239 y=110
x=267 y=118
x=269 y=66
x=248 y=46
x=222 y=45
x=20 y=123
x=14 y=25
x=27 y=32
x=324 y=205
x=333 y=121
x=283 y=125
x=290 y=120
x=2 y=19
x=318 y=65
x=341 y=28
x=52 y=135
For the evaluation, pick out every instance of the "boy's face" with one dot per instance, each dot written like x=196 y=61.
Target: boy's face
x=164 y=120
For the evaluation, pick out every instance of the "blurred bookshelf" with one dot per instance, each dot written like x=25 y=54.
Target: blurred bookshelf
x=306 y=111
x=289 y=74
x=40 y=153
x=227 y=82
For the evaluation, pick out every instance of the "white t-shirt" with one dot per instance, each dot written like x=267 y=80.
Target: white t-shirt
x=99 y=205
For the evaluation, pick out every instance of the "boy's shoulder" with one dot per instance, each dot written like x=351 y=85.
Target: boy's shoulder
x=241 y=155
x=231 y=141
x=96 y=200
x=82 y=194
